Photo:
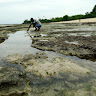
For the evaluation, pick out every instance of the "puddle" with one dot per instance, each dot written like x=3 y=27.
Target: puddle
x=82 y=34
x=43 y=35
x=18 y=42
x=56 y=30
x=75 y=42
x=78 y=28
x=43 y=40
x=58 y=35
x=83 y=29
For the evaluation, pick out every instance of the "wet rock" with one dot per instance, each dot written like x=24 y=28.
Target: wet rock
x=86 y=47
x=39 y=65
x=41 y=55
x=13 y=82
x=3 y=38
x=82 y=45
x=37 y=36
x=15 y=59
x=69 y=85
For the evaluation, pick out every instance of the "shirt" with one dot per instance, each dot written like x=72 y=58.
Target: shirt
x=36 y=22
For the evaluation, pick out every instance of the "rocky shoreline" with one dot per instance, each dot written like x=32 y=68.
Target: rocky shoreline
x=46 y=75
x=75 y=43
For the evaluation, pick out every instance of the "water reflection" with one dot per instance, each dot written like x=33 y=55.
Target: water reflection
x=19 y=42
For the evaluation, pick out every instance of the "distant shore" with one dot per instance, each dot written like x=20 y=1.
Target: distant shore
x=88 y=20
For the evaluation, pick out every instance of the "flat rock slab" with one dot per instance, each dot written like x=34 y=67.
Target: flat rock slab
x=39 y=65
x=13 y=82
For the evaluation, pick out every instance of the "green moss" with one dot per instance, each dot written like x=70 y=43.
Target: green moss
x=89 y=87
x=54 y=72
x=47 y=73
x=62 y=93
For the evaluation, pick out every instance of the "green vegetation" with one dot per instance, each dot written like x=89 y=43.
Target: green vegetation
x=46 y=72
x=54 y=72
x=68 y=18
x=94 y=11
x=89 y=87
x=26 y=21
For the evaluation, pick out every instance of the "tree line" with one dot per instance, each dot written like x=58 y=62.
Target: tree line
x=68 y=18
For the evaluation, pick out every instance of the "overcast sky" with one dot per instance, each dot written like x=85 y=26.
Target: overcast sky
x=16 y=11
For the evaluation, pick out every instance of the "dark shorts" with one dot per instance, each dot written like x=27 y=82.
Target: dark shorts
x=38 y=25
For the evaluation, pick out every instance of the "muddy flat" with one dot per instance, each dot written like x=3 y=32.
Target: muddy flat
x=58 y=60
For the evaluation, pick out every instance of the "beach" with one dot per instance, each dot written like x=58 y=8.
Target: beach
x=58 y=60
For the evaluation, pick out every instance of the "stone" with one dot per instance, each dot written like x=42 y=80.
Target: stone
x=13 y=82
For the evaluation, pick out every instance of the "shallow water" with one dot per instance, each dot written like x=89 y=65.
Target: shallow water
x=92 y=28
x=88 y=34
x=20 y=43
x=43 y=35
x=5 y=24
